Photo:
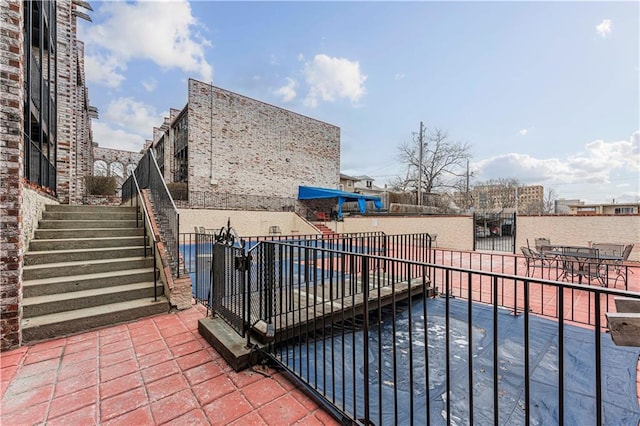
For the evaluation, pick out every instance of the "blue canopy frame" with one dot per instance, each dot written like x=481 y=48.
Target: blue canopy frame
x=314 y=193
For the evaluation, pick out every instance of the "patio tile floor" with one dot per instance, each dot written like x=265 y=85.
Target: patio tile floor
x=156 y=370
x=159 y=370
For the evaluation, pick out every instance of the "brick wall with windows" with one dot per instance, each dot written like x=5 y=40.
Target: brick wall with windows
x=11 y=171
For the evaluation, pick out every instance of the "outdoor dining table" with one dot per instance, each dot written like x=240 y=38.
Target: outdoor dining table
x=582 y=261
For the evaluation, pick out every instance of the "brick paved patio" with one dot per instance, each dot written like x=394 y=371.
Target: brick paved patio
x=153 y=371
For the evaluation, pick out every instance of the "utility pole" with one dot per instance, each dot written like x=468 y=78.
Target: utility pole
x=420 y=166
x=468 y=204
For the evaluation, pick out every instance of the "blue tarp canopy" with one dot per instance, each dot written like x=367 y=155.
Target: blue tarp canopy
x=313 y=193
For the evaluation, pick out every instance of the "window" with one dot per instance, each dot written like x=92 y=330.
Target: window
x=100 y=168
x=116 y=169
x=624 y=210
x=130 y=169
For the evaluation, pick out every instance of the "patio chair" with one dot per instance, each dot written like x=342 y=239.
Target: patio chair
x=620 y=268
x=609 y=249
x=582 y=263
x=531 y=259
x=609 y=265
x=539 y=242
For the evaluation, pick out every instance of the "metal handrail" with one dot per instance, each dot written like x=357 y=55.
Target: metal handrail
x=171 y=235
x=153 y=237
x=148 y=175
x=164 y=184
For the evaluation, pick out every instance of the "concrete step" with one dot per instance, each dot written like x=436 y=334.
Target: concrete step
x=61 y=302
x=84 y=224
x=65 y=323
x=98 y=215
x=65 y=284
x=62 y=269
x=89 y=209
x=50 y=234
x=57 y=256
x=84 y=243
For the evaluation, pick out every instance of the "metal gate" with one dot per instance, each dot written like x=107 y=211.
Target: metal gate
x=494 y=231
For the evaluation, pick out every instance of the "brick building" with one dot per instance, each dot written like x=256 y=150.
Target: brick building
x=225 y=143
x=45 y=131
x=526 y=199
x=114 y=162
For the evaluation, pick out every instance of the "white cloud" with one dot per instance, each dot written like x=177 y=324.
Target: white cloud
x=399 y=76
x=604 y=28
x=150 y=85
x=598 y=166
x=104 y=70
x=109 y=137
x=288 y=91
x=333 y=78
x=523 y=132
x=133 y=116
x=163 y=32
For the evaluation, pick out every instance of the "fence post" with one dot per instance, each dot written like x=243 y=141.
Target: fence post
x=365 y=333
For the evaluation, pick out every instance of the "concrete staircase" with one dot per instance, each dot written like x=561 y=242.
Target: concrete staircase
x=326 y=231
x=85 y=269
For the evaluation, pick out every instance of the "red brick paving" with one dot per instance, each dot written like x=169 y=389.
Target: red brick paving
x=156 y=370
x=161 y=371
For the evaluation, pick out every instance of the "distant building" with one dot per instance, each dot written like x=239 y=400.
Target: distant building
x=524 y=199
x=605 y=209
x=563 y=206
x=223 y=143
x=363 y=185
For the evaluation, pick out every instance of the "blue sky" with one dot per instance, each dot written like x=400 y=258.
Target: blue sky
x=544 y=92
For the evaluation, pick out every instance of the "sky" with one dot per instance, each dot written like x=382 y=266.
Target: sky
x=547 y=93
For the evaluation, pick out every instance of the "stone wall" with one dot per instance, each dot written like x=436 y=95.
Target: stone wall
x=245 y=223
x=243 y=146
x=102 y=200
x=115 y=159
x=581 y=230
x=11 y=171
x=456 y=232
x=33 y=204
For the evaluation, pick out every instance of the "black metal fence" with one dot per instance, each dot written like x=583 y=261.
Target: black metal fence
x=196 y=249
x=494 y=231
x=165 y=212
x=363 y=333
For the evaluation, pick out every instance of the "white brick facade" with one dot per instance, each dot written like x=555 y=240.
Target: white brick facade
x=243 y=146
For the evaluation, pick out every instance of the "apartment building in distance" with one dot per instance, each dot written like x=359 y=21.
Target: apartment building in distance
x=522 y=199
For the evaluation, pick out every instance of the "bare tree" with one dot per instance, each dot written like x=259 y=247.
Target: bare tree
x=443 y=162
x=497 y=193
x=549 y=203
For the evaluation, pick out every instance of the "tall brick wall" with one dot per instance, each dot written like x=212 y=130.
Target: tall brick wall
x=245 y=146
x=67 y=98
x=11 y=171
x=83 y=137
